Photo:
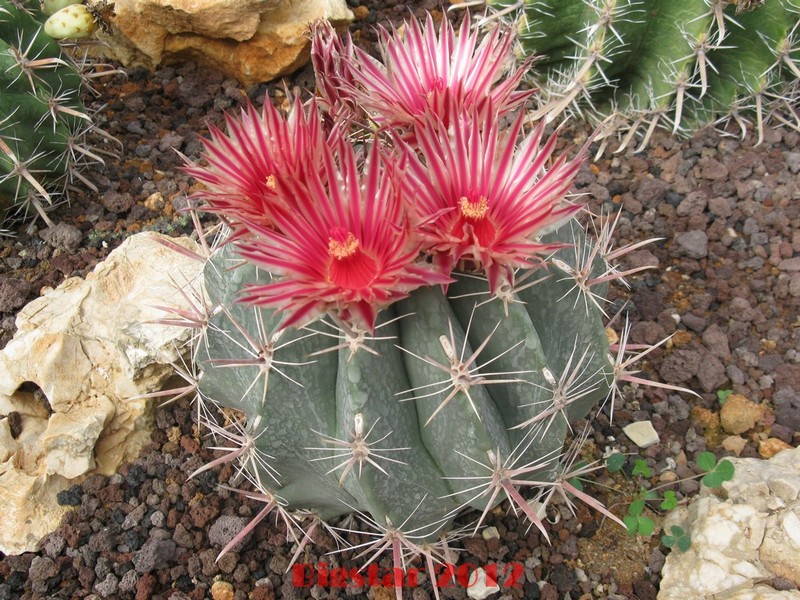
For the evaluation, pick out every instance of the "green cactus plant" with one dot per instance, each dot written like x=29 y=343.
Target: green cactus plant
x=637 y=64
x=407 y=327
x=418 y=399
x=43 y=122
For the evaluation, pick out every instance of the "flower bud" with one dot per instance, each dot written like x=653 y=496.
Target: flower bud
x=71 y=22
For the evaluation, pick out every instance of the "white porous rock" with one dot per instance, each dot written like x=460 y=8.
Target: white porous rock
x=251 y=40
x=70 y=376
x=745 y=538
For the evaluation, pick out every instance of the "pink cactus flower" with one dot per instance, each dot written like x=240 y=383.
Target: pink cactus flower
x=245 y=164
x=425 y=73
x=342 y=243
x=482 y=198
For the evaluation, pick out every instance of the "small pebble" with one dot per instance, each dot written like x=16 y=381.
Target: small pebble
x=642 y=433
x=222 y=590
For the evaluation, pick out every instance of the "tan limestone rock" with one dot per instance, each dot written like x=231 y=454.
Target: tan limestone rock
x=221 y=590
x=251 y=40
x=641 y=433
x=71 y=375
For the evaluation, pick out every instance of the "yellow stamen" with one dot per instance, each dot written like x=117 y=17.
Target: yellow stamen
x=271 y=182
x=343 y=249
x=473 y=210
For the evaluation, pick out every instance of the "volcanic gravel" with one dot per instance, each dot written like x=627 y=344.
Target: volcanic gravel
x=726 y=288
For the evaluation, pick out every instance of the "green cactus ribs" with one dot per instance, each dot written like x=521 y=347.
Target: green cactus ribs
x=634 y=65
x=43 y=121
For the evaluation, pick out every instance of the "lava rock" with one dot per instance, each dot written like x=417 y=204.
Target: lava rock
x=649 y=304
x=716 y=340
x=42 y=568
x=693 y=204
x=70 y=496
x=693 y=244
x=787 y=408
x=563 y=578
x=13 y=293
x=224 y=529
x=153 y=554
x=680 y=366
x=651 y=192
x=116 y=202
x=712 y=376
x=63 y=236
x=108 y=587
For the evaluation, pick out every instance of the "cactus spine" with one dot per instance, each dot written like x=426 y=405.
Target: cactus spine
x=43 y=122
x=637 y=64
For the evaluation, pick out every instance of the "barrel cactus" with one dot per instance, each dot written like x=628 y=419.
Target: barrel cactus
x=408 y=323
x=43 y=122
x=637 y=64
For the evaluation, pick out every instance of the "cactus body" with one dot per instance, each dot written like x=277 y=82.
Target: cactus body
x=429 y=459
x=42 y=118
x=683 y=65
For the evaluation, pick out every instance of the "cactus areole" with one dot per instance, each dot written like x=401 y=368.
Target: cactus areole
x=408 y=318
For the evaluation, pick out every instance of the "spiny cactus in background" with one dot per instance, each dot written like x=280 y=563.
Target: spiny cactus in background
x=43 y=122
x=409 y=325
x=634 y=65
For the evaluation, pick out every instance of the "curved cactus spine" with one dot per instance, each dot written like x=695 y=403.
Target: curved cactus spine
x=636 y=64
x=43 y=122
